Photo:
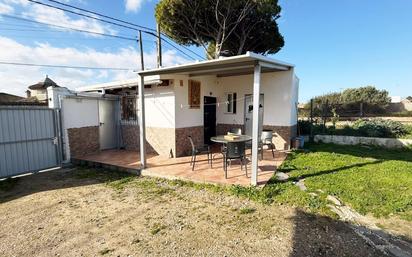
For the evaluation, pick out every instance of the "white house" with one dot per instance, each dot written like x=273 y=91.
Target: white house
x=206 y=98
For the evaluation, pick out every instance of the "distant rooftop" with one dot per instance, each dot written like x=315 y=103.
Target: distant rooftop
x=44 y=84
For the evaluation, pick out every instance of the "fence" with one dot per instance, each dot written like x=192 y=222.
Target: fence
x=29 y=139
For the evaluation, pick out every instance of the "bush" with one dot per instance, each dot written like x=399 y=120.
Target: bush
x=380 y=128
x=304 y=127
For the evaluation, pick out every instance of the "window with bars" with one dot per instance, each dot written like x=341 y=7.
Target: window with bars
x=129 y=108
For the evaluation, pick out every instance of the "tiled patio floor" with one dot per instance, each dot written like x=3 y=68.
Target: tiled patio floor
x=179 y=168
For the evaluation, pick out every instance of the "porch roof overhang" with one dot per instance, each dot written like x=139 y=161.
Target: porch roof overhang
x=228 y=66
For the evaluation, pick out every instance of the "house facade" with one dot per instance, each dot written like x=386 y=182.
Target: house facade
x=205 y=99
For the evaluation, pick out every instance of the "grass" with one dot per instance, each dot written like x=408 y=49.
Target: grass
x=371 y=180
x=247 y=210
x=157 y=227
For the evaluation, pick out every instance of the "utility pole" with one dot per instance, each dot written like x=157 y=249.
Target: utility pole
x=159 y=47
x=141 y=50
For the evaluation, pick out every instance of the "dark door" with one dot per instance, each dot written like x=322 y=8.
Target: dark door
x=209 y=118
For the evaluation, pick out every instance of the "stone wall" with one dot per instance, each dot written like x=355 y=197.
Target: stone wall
x=161 y=140
x=183 y=146
x=83 y=141
x=222 y=129
x=282 y=135
x=158 y=140
x=130 y=137
x=373 y=141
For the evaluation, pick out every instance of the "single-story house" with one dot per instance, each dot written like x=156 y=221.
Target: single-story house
x=206 y=98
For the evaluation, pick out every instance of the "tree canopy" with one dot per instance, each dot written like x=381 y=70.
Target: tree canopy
x=347 y=101
x=222 y=27
x=409 y=98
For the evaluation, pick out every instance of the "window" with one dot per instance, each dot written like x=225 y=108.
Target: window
x=231 y=103
x=194 y=94
x=129 y=110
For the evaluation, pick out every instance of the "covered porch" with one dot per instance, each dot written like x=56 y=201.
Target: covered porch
x=179 y=168
x=241 y=74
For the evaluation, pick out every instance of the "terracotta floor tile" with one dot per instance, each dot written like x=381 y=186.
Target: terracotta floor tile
x=180 y=168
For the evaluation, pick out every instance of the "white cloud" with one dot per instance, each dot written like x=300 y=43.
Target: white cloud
x=133 y=5
x=16 y=79
x=59 y=17
x=6 y=9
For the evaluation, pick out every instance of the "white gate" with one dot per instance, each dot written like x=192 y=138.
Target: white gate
x=29 y=139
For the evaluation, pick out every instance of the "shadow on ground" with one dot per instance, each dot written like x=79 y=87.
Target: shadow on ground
x=15 y=188
x=316 y=235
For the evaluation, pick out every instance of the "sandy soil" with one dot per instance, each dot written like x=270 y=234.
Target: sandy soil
x=60 y=214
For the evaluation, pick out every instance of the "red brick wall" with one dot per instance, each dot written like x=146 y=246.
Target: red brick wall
x=83 y=141
x=183 y=146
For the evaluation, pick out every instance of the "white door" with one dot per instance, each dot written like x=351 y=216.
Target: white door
x=249 y=114
x=107 y=127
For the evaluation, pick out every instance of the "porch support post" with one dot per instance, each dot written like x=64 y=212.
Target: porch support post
x=142 y=123
x=255 y=122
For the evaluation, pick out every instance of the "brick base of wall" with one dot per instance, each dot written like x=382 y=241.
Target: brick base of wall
x=83 y=141
x=158 y=140
x=183 y=147
x=222 y=129
x=130 y=137
x=283 y=135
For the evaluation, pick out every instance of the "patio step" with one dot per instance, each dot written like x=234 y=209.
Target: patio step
x=106 y=166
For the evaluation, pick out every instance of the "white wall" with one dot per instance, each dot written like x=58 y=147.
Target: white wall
x=160 y=107
x=77 y=113
x=280 y=91
x=80 y=112
x=185 y=116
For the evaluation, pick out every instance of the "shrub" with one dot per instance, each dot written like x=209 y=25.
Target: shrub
x=304 y=127
x=380 y=128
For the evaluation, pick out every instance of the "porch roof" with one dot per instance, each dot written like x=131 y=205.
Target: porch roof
x=228 y=66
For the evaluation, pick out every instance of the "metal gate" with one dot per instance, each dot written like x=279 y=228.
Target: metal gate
x=29 y=139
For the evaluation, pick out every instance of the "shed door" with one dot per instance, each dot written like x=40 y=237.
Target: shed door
x=249 y=114
x=107 y=124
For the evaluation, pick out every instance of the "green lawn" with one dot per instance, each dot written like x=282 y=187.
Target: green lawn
x=371 y=180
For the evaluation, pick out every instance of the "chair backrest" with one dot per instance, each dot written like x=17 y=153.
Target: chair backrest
x=191 y=143
x=235 y=149
x=237 y=131
x=267 y=136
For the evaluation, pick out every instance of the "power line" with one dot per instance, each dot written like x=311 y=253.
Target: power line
x=102 y=15
x=63 y=66
x=70 y=28
x=84 y=15
x=113 y=23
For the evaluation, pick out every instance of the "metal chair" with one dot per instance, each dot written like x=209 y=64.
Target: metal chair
x=266 y=139
x=237 y=131
x=199 y=150
x=235 y=150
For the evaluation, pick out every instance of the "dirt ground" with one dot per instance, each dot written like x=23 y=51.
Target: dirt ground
x=63 y=214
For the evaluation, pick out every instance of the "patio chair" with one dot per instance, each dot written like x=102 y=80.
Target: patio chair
x=199 y=150
x=266 y=140
x=235 y=150
x=237 y=131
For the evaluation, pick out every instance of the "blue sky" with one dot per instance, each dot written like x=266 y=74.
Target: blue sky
x=334 y=44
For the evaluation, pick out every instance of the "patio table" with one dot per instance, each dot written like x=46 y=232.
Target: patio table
x=221 y=139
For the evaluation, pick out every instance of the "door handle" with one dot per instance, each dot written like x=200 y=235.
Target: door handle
x=101 y=123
